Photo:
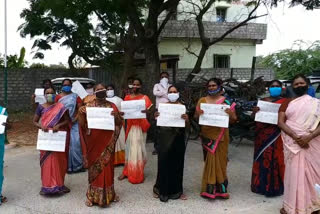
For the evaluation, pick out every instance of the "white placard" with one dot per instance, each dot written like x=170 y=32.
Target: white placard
x=52 y=141
x=3 y=119
x=170 y=115
x=78 y=89
x=39 y=92
x=317 y=187
x=100 y=118
x=268 y=112
x=214 y=115
x=132 y=109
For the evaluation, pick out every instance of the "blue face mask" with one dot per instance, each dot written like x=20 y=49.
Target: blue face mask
x=275 y=91
x=66 y=88
x=214 y=92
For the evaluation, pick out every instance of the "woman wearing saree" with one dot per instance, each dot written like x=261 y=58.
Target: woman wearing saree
x=172 y=146
x=121 y=142
x=3 y=111
x=268 y=165
x=299 y=121
x=72 y=102
x=100 y=152
x=215 y=140
x=52 y=116
x=136 y=137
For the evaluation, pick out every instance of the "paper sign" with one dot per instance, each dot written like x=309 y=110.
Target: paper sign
x=100 y=118
x=214 y=115
x=132 y=109
x=170 y=115
x=3 y=119
x=39 y=92
x=52 y=141
x=78 y=89
x=268 y=112
x=317 y=187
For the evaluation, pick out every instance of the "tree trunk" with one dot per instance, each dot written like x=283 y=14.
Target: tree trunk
x=197 y=68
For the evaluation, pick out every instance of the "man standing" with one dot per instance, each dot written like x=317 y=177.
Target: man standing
x=160 y=90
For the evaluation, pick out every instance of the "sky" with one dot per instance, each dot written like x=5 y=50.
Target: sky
x=285 y=25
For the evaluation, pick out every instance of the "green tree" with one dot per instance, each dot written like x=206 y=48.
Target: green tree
x=289 y=62
x=15 y=61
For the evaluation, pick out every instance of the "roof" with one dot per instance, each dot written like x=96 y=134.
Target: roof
x=189 y=29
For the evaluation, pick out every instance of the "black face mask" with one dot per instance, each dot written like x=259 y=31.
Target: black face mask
x=101 y=94
x=301 y=90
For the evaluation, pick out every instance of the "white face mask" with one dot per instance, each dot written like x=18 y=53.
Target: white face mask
x=110 y=93
x=130 y=86
x=164 y=82
x=173 y=97
x=90 y=91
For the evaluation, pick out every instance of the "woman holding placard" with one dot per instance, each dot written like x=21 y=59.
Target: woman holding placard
x=169 y=183
x=52 y=116
x=268 y=165
x=299 y=122
x=72 y=102
x=215 y=141
x=100 y=152
x=136 y=137
x=3 y=112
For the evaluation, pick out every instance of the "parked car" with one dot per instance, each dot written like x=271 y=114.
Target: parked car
x=57 y=82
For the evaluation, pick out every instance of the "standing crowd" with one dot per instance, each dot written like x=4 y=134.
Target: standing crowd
x=285 y=160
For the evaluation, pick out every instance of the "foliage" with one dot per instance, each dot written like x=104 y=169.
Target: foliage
x=15 y=61
x=289 y=62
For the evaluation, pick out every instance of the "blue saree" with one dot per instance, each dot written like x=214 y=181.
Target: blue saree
x=2 y=141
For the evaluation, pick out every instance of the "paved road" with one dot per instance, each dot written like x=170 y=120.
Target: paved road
x=22 y=185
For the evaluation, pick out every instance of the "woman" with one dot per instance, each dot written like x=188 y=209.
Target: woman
x=3 y=111
x=171 y=156
x=136 y=137
x=299 y=122
x=72 y=102
x=100 y=152
x=268 y=165
x=121 y=142
x=52 y=116
x=215 y=140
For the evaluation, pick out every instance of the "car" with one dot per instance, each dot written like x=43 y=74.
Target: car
x=57 y=82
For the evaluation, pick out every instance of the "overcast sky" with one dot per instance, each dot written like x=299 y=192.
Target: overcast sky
x=285 y=25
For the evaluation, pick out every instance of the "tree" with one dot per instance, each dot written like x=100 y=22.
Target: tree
x=289 y=62
x=15 y=61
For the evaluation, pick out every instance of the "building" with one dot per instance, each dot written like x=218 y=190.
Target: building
x=180 y=37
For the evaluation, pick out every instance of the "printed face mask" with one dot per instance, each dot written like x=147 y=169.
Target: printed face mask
x=66 y=88
x=214 y=92
x=50 y=98
x=110 y=93
x=101 y=93
x=275 y=91
x=173 y=97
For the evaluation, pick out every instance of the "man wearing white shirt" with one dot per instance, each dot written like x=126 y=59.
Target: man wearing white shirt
x=160 y=90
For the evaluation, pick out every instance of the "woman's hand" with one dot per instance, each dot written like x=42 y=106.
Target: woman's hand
x=228 y=111
x=5 y=124
x=200 y=112
x=56 y=128
x=304 y=140
x=44 y=129
x=144 y=111
x=185 y=117
x=156 y=114
x=83 y=110
x=255 y=109
x=121 y=113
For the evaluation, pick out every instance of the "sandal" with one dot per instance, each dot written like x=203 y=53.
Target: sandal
x=283 y=211
x=89 y=203
x=155 y=195
x=3 y=199
x=122 y=177
x=66 y=189
x=183 y=197
x=116 y=199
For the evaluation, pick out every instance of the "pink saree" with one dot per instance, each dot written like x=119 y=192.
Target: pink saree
x=302 y=165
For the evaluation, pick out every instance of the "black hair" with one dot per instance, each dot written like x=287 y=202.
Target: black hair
x=110 y=85
x=95 y=86
x=300 y=76
x=45 y=81
x=134 y=79
x=174 y=86
x=164 y=72
x=66 y=80
x=54 y=90
x=277 y=81
x=218 y=81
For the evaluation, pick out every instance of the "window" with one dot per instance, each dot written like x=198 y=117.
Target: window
x=221 y=14
x=221 y=61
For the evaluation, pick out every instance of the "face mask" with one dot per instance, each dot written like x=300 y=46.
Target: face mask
x=90 y=91
x=173 y=97
x=164 y=82
x=214 y=92
x=66 y=88
x=101 y=94
x=50 y=98
x=275 y=91
x=110 y=93
x=130 y=86
x=301 y=90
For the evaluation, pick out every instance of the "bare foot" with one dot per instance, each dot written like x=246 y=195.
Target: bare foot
x=183 y=197
x=121 y=177
x=155 y=195
x=89 y=203
x=116 y=199
x=3 y=199
x=282 y=211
